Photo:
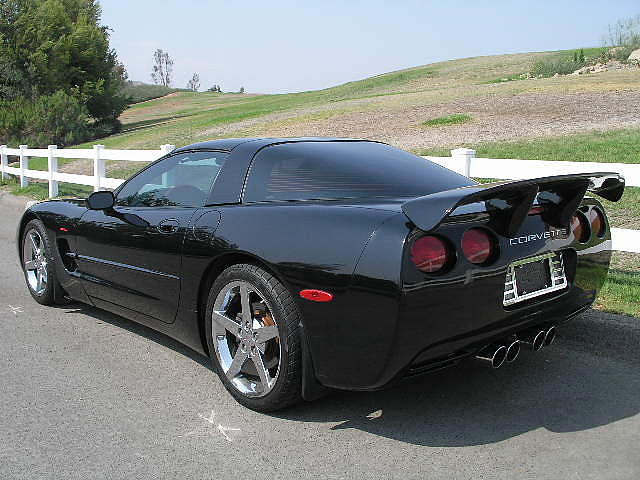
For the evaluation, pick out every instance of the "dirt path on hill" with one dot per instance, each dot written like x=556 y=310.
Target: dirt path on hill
x=494 y=118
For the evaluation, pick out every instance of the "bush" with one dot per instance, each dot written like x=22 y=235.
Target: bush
x=104 y=128
x=549 y=66
x=57 y=119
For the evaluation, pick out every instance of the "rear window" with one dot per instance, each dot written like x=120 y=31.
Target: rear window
x=334 y=170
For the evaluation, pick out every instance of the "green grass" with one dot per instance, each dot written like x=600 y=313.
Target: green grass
x=621 y=291
x=507 y=78
x=42 y=163
x=618 y=146
x=40 y=191
x=141 y=93
x=386 y=84
x=621 y=146
x=454 y=119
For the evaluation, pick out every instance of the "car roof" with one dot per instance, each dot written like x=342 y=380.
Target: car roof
x=229 y=144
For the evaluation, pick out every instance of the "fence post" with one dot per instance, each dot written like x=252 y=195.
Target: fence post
x=167 y=148
x=462 y=157
x=24 y=165
x=99 y=169
x=52 y=162
x=3 y=160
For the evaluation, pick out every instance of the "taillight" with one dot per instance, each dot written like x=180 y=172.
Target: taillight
x=580 y=227
x=537 y=210
x=429 y=254
x=596 y=219
x=478 y=245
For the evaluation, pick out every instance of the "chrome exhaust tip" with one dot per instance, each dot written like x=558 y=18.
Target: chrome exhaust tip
x=494 y=354
x=533 y=337
x=550 y=335
x=512 y=351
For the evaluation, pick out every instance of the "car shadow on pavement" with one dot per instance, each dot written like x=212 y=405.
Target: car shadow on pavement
x=138 y=329
x=589 y=378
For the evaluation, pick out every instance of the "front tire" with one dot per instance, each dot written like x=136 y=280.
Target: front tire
x=254 y=342
x=38 y=263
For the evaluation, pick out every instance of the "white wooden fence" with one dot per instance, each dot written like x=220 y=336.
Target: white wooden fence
x=98 y=154
x=462 y=160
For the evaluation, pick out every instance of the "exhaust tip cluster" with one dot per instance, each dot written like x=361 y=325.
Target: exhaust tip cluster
x=508 y=350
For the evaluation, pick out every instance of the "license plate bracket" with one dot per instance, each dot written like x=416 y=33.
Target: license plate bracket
x=532 y=277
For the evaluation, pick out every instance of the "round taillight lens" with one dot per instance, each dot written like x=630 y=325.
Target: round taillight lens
x=477 y=245
x=429 y=254
x=580 y=227
x=596 y=219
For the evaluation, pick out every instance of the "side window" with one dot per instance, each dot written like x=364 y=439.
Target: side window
x=182 y=180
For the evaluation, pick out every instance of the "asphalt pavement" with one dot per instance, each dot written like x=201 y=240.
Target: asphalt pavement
x=87 y=394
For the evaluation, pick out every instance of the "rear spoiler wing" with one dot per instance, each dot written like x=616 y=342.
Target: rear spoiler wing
x=509 y=202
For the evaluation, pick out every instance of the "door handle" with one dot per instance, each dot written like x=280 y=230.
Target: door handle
x=169 y=225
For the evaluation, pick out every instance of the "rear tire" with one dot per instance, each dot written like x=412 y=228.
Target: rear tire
x=38 y=264
x=257 y=355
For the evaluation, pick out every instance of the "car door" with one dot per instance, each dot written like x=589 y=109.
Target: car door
x=130 y=256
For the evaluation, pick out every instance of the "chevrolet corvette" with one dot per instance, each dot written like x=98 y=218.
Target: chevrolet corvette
x=310 y=264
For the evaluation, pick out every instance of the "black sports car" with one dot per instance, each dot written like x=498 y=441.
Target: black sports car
x=302 y=265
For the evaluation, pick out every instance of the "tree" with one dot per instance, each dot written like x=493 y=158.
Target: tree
x=60 y=45
x=51 y=46
x=194 y=83
x=163 y=68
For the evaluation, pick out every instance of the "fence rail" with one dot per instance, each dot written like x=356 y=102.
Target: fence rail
x=462 y=160
x=98 y=154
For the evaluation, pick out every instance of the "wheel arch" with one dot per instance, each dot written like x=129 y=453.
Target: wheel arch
x=311 y=388
x=213 y=271
x=26 y=218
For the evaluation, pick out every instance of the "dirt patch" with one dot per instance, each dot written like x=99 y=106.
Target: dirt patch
x=495 y=117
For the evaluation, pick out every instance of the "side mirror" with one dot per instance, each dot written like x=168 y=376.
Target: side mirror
x=101 y=200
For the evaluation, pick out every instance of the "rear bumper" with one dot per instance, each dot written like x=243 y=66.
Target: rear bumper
x=425 y=362
x=440 y=324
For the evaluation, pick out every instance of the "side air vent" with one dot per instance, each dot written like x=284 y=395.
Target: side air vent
x=68 y=257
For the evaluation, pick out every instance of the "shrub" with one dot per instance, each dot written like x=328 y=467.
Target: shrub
x=104 y=128
x=59 y=119
x=549 y=66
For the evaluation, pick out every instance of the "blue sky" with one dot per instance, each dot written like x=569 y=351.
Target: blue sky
x=282 y=46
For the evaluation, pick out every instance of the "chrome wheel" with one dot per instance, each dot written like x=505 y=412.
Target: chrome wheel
x=35 y=261
x=246 y=338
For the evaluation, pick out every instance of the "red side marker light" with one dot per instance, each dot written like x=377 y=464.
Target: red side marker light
x=63 y=229
x=316 y=295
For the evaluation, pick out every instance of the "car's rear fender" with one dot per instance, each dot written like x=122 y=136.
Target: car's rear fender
x=306 y=246
x=400 y=315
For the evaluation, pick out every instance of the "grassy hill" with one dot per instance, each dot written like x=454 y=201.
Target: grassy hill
x=479 y=102
x=395 y=106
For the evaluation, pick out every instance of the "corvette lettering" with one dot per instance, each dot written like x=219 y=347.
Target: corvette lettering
x=559 y=233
